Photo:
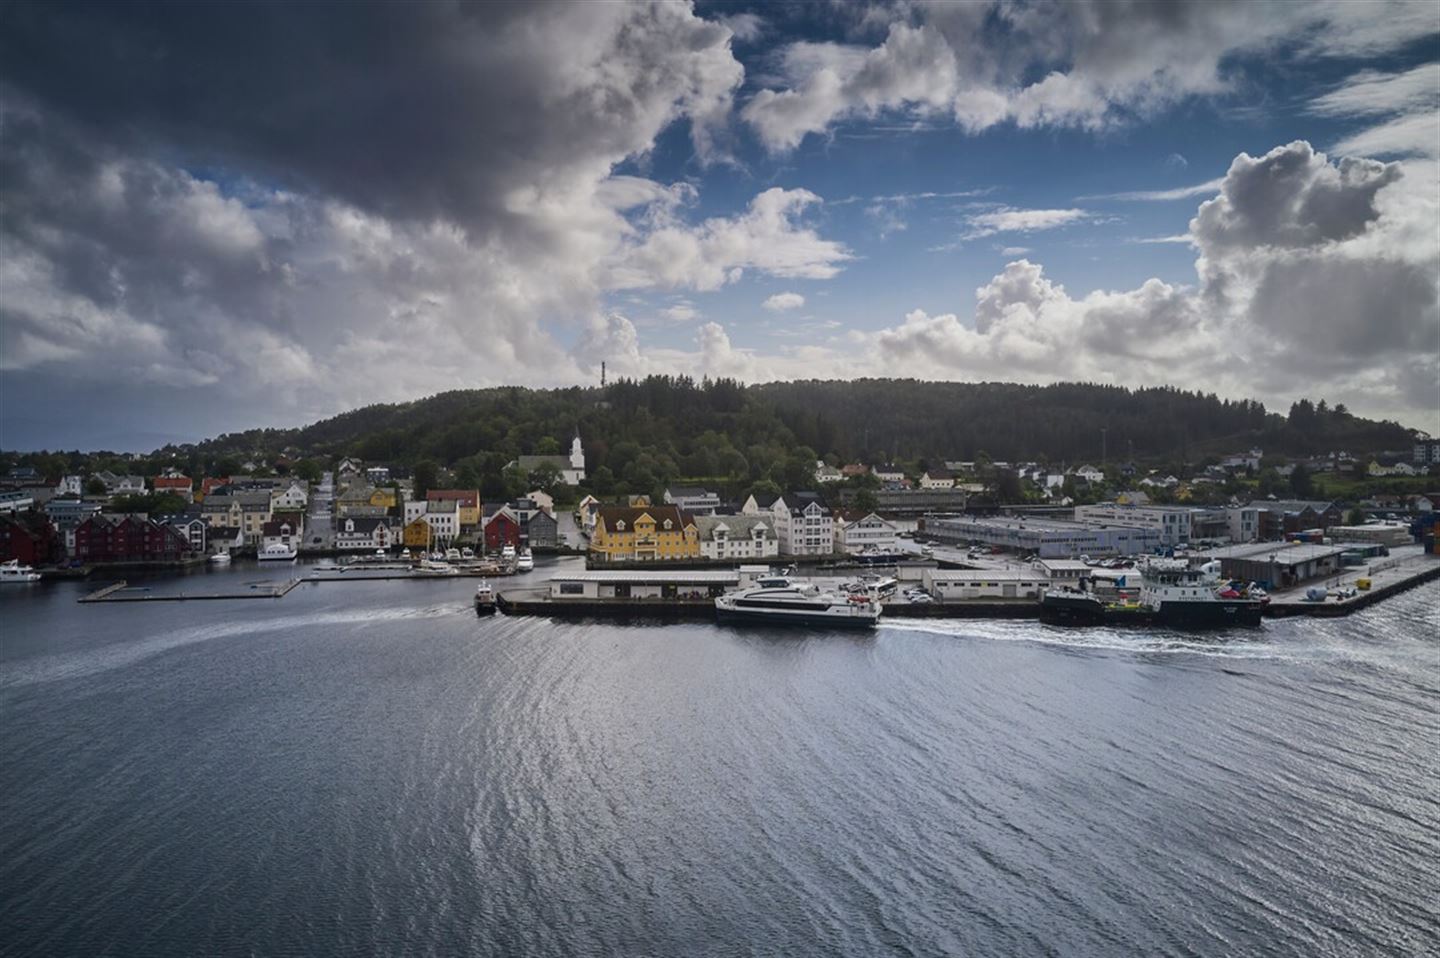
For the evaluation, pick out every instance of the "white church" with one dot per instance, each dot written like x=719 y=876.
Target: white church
x=572 y=468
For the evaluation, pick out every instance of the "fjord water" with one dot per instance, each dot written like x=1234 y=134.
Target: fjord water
x=367 y=768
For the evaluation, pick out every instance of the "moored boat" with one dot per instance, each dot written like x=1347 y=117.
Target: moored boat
x=1171 y=596
x=14 y=573
x=278 y=552
x=524 y=562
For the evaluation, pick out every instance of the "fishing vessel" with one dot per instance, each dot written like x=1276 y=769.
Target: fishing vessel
x=1172 y=596
x=14 y=572
x=278 y=552
x=785 y=602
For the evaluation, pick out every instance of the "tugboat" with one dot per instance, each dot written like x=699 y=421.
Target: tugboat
x=484 y=598
x=1171 y=596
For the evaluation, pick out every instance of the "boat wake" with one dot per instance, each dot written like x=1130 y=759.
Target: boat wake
x=1228 y=644
x=83 y=663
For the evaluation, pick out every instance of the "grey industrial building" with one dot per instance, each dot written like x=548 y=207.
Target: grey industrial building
x=1045 y=537
x=1278 y=565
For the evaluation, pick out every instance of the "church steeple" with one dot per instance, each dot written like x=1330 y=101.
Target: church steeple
x=577 y=453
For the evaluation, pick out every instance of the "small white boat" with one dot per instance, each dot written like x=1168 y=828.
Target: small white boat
x=452 y=555
x=484 y=598
x=507 y=553
x=467 y=553
x=13 y=571
x=524 y=562
x=404 y=553
x=278 y=552
x=221 y=558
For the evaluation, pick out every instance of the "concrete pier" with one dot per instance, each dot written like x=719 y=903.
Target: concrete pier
x=123 y=592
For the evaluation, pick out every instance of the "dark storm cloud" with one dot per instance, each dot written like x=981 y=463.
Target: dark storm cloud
x=412 y=110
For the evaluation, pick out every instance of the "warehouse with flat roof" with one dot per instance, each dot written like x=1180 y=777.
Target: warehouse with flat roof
x=1278 y=565
x=1045 y=537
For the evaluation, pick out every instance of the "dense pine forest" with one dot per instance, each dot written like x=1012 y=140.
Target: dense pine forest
x=641 y=433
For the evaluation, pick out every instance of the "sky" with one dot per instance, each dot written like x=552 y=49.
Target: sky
x=221 y=216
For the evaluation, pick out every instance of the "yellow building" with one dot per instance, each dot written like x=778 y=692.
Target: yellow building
x=417 y=534
x=385 y=498
x=644 y=534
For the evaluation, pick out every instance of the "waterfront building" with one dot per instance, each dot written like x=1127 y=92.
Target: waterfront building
x=643 y=584
x=502 y=527
x=281 y=532
x=858 y=533
x=1278 y=565
x=443 y=517
x=737 y=537
x=364 y=533
x=190 y=525
x=255 y=511
x=29 y=538
x=644 y=534
x=416 y=534
x=952 y=584
x=1042 y=536
x=758 y=504
x=803 y=524
x=540 y=530
x=127 y=538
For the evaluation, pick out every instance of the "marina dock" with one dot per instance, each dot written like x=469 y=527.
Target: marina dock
x=122 y=591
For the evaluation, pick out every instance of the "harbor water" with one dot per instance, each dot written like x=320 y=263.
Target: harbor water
x=369 y=768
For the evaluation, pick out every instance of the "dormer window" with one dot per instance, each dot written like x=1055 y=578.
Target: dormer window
x=667 y=523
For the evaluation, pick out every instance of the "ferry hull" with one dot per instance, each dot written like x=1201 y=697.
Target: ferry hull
x=813 y=620
x=1219 y=614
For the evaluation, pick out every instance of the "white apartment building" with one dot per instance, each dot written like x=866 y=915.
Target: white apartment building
x=71 y=486
x=737 y=537
x=804 y=525
x=869 y=531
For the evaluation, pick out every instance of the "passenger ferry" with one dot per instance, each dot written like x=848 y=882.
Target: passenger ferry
x=785 y=602
x=1171 y=595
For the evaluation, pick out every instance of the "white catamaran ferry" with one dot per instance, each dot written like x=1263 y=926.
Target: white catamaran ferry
x=781 y=602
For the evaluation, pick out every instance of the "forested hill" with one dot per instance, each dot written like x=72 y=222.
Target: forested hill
x=719 y=427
